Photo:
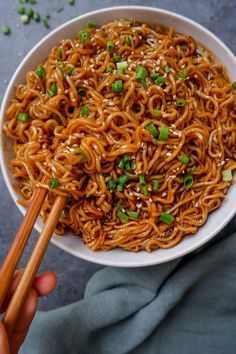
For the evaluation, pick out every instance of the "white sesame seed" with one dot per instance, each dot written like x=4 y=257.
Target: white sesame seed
x=150 y=200
x=164 y=194
x=168 y=154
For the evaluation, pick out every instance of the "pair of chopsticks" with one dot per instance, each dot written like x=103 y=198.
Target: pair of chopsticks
x=16 y=250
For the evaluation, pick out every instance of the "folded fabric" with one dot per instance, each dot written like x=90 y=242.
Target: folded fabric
x=187 y=306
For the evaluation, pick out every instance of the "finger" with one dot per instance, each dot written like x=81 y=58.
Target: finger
x=4 y=344
x=45 y=283
x=24 y=320
x=16 y=278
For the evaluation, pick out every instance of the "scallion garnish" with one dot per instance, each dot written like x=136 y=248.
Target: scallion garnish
x=23 y=117
x=85 y=111
x=53 y=90
x=122 y=216
x=133 y=215
x=142 y=180
x=91 y=24
x=109 y=69
x=154 y=76
x=36 y=17
x=111 y=184
x=63 y=214
x=141 y=73
x=144 y=190
x=84 y=157
x=119 y=188
x=127 y=39
x=152 y=130
x=188 y=180
x=227 y=175
x=110 y=47
x=60 y=9
x=160 y=80
x=180 y=102
x=60 y=52
x=166 y=218
x=121 y=66
x=117 y=58
x=71 y=2
x=21 y=10
x=81 y=91
x=123 y=179
x=70 y=71
x=24 y=19
x=53 y=183
x=40 y=71
x=183 y=74
x=234 y=85
x=6 y=30
x=167 y=69
x=164 y=133
x=117 y=86
x=184 y=159
x=46 y=23
x=156 y=112
x=84 y=36
x=155 y=186
x=32 y=2
x=121 y=163
x=29 y=12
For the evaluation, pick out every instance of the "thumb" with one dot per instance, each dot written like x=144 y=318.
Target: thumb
x=4 y=344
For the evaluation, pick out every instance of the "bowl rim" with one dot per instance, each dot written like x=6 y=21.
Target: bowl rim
x=55 y=240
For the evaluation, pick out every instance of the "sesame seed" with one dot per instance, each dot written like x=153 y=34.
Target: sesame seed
x=164 y=194
x=168 y=154
x=150 y=200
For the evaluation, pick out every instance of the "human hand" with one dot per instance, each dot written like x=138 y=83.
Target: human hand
x=42 y=286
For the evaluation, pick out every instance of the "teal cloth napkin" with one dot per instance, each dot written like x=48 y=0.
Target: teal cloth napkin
x=187 y=306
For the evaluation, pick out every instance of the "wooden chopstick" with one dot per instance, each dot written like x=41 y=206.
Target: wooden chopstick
x=25 y=283
x=12 y=259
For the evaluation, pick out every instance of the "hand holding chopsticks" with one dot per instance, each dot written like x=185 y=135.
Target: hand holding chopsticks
x=12 y=259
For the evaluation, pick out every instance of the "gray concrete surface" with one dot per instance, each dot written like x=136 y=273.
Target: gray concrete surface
x=73 y=274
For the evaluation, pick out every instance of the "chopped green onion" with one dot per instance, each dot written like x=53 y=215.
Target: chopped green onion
x=84 y=157
x=142 y=180
x=127 y=39
x=84 y=36
x=154 y=76
x=234 y=85
x=129 y=165
x=53 y=90
x=155 y=186
x=60 y=52
x=156 y=112
x=152 y=130
x=109 y=69
x=111 y=184
x=22 y=2
x=81 y=91
x=183 y=74
x=32 y=2
x=91 y=24
x=46 y=23
x=21 y=10
x=188 y=180
x=111 y=47
x=60 y=9
x=59 y=120
x=29 y=12
x=117 y=58
x=121 y=163
x=40 y=71
x=141 y=73
x=63 y=214
x=164 y=133
x=70 y=71
x=36 y=17
x=167 y=69
x=117 y=86
x=160 y=80
x=180 y=102
x=25 y=19
x=71 y=2
x=166 y=218
x=6 y=30
x=60 y=63
x=144 y=190
x=123 y=179
x=133 y=215
x=122 y=66
x=47 y=15
x=23 y=117
x=122 y=216
x=53 y=183
x=85 y=111
x=119 y=188
x=126 y=158
x=184 y=159
x=227 y=175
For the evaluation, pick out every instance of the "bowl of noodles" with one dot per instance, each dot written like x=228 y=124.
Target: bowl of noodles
x=130 y=113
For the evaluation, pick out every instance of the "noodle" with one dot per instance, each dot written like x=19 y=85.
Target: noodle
x=139 y=156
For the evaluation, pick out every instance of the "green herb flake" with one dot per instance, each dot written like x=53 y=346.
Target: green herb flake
x=6 y=30
x=183 y=74
x=53 y=183
x=84 y=36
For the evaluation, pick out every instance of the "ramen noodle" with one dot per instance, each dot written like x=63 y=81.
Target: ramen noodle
x=135 y=125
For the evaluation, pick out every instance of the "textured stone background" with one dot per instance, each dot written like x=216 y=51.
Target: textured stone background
x=217 y=15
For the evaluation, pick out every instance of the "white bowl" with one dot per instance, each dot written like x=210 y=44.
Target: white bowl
x=216 y=221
